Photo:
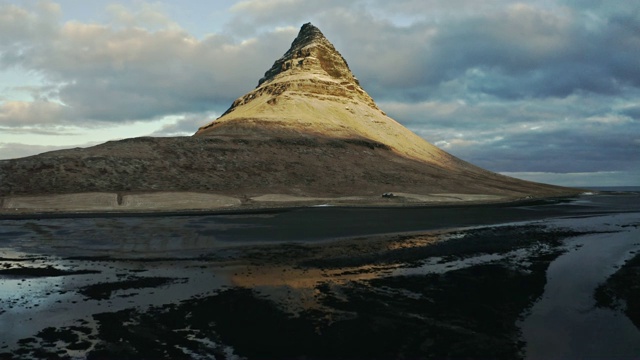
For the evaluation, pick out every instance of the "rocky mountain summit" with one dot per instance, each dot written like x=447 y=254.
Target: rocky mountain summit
x=307 y=133
x=310 y=91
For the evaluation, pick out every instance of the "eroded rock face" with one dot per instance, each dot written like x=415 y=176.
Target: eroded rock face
x=310 y=91
x=311 y=52
x=313 y=67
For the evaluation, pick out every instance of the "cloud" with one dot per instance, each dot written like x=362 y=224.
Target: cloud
x=512 y=51
x=20 y=113
x=585 y=180
x=147 y=16
x=564 y=150
x=18 y=24
x=18 y=150
x=632 y=111
x=253 y=16
x=144 y=65
x=185 y=125
x=126 y=73
x=574 y=134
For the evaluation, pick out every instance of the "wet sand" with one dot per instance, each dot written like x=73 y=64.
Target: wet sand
x=315 y=283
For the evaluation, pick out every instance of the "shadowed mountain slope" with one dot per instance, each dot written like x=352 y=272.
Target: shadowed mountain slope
x=308 y=129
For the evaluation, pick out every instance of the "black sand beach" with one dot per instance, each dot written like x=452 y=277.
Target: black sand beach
x=342 y=283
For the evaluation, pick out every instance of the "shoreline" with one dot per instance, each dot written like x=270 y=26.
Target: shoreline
x=34 y=210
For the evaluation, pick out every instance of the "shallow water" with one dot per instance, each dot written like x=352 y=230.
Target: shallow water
x=31 y=304
x=565 y=323
x=192 y=249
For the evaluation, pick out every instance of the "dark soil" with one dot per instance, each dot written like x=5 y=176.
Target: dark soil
x=43 y=272
x=442 y=322
x=279 y=163
x=103 y=291
x=483 y=241
x=621 y=291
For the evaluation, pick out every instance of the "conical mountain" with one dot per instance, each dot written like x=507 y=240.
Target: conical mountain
x=310 y=91
x=307 y=131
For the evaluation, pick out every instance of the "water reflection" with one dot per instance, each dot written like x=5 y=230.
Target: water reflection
x=565 y=323
x=204 y=255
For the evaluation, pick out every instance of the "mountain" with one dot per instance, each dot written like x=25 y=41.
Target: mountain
x=308 y=131
x=310 y=91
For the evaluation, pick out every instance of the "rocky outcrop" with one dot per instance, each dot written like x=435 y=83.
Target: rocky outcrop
x=313 y=67
x=311 y=52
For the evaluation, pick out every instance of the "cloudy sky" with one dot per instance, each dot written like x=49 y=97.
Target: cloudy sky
x=541 y=90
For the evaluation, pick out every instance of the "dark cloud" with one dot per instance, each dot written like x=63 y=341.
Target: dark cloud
x=632 y=112
x=576 y=134
x=554 y=151
x=516 y=51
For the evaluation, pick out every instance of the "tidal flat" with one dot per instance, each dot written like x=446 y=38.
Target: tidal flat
x=532 y=280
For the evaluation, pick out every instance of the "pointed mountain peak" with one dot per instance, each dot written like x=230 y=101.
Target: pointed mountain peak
x=310 y=92
x=310 y=89
x=307 y=35
x=310 y=52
